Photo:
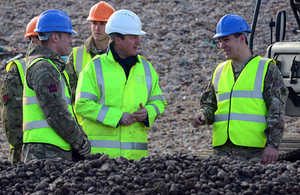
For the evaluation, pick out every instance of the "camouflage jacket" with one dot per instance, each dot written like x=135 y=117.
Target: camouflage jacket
x=90 y=49
x=11 y=106
x=39 y=77
x=275 y=95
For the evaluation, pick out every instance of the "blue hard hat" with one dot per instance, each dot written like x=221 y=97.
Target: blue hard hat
x=230 y=24
x=54 y=21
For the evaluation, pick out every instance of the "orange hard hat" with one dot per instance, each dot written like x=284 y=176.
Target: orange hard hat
x=100 y=12
x=30 y=28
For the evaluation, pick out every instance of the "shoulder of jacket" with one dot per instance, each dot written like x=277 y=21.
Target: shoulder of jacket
x=43 y=63
x=40 y=61
x=227 y=62
x=11 y=63
x=143 y=58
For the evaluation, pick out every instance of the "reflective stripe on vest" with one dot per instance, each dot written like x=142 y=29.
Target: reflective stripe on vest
x=148 y=77
x=156 y=108
x=87 y=96
x=118 y=144
x=35 y=126
x=157 y=97
x=240 y=117
x=79 y=59
x=241 y=112
x=33 y=99
x=82 y=58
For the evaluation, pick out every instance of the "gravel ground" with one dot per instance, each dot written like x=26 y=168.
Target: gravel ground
x=179 y=174
x=178 y=44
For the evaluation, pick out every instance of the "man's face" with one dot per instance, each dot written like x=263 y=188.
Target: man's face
x=64 y=43
x=98 y=30
x=230 y=46
x=129 y=46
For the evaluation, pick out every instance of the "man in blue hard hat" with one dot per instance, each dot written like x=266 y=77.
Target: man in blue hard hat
x=245 y=100
x=49 y=127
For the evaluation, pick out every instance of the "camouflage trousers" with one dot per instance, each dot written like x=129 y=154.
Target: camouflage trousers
x=15 y=154
x=32 y=151
x=248 y=153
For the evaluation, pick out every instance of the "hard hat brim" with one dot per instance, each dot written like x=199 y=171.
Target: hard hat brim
x=111 y=31
x=228 y=33
x=55 y=30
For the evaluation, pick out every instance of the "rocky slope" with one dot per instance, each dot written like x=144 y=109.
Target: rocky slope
x=178 y=43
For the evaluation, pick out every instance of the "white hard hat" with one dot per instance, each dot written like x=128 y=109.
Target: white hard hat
x=124 y=22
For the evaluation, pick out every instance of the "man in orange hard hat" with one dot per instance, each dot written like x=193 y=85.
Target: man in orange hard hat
x=96 y=44
x=11 y=98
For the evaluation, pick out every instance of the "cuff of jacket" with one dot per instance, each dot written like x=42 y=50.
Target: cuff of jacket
x=273 y=145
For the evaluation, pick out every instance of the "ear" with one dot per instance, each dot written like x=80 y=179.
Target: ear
x=243 y=38
x=34 y=40
x=117 y=40
x=55 y=37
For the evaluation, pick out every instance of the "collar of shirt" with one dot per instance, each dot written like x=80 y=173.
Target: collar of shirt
x=91 y=47
x=238 y=67
x=129 y=61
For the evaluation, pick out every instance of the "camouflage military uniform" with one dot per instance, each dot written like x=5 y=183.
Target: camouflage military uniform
x=90 y=49
x=39 y=77
x=275 y=95
x=11 y=112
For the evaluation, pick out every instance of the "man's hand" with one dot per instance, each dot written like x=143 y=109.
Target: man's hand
x=198 y=120
x=270 y=154
x=127 y=119
x=85 y=148
x=142 y=114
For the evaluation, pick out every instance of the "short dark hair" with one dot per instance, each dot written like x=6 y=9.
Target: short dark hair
x=35 y=36
x=113 y=35
x=236 y=35
x=45 y=42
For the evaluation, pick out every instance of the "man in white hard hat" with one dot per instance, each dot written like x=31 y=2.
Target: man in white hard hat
x=118 y=92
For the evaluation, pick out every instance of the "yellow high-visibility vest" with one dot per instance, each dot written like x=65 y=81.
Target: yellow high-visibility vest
x=104 y=93
x=35 y=126
x=241 y=113
x=80 y=59
x=21 y=65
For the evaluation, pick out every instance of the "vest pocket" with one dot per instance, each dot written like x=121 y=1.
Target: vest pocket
x=140 y=79
x=94 y=129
